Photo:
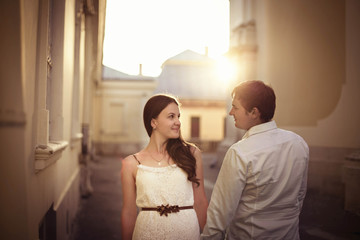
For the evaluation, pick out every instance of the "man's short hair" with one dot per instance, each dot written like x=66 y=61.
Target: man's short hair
x=257 y=94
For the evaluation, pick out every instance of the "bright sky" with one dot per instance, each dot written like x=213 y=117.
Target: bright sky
x=151 y=31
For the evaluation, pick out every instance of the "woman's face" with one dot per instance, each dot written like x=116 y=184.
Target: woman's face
x=168 y=122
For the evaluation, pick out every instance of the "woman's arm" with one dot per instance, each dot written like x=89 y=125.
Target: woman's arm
x=200 y=200
x=129 y=210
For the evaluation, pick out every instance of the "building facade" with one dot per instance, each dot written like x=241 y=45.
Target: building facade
x=120 y=99
x=118 y=105
x=308 y=52
x=50 y=63
x=195 y=80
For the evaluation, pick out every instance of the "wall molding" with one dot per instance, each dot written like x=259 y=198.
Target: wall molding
x=12 y=118
x=45 y=155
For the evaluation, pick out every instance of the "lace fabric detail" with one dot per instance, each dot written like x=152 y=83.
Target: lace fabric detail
x=155 y=169
x=162 y=186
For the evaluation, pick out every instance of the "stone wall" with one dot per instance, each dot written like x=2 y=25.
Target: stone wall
x=336 y=172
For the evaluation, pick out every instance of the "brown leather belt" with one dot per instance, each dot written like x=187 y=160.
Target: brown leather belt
x=167 y=209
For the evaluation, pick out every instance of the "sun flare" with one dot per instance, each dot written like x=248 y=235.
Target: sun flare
x=226 y=69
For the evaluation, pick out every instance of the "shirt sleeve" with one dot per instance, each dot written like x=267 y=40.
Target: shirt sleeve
x=226 y=195
x=303 y=187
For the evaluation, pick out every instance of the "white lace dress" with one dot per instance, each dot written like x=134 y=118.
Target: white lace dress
x=162 y=186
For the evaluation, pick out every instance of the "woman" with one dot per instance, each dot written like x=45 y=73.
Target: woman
x=164 y=180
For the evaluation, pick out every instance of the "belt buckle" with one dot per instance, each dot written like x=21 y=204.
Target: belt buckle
x=167 y=209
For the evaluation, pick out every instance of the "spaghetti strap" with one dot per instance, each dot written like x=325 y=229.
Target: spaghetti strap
x=136 y=159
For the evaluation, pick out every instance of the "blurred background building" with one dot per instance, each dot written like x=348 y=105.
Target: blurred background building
x=189 y=76
x=118 y=104
x=194 y=79
x=59 y=105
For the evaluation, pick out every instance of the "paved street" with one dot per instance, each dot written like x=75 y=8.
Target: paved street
x=99 y=215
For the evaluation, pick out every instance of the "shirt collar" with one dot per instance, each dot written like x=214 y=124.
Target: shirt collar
x=260 y=128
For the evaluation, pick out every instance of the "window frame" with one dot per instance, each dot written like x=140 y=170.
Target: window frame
x=49 y=82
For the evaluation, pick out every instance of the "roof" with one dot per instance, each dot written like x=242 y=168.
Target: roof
x=191 y=75
x=112 y=74
x=189 y=56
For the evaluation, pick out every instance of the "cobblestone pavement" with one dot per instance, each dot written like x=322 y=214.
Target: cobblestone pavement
x=98 y=218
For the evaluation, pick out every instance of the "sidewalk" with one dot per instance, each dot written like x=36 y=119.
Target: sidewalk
x=98 y=218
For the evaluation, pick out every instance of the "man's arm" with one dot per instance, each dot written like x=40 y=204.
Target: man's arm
x=226 y=196
x=303 y=186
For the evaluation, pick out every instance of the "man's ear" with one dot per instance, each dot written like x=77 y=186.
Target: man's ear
x=255 y=113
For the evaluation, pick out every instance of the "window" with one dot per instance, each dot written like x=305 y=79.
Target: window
x=114 y=120
x=49 y=83
x=49 y=62
x=195 y=127
x=79 y=68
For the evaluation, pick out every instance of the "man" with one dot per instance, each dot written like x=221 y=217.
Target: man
x=262 y=182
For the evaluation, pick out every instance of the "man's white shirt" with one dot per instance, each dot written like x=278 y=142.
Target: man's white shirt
x=260 y=187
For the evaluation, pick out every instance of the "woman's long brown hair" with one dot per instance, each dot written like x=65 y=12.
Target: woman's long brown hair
x=178 y=149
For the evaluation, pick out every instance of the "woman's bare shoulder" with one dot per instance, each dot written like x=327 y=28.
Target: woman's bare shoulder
x=129 y=162
x=129 y=158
